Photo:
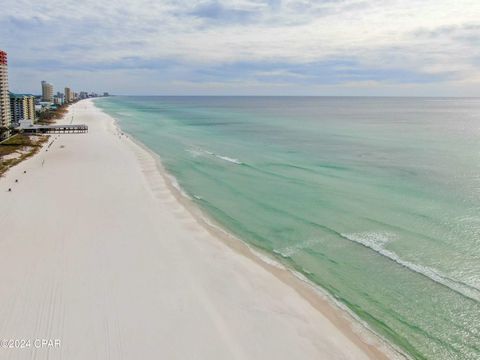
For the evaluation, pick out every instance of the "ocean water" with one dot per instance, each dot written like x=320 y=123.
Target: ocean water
x=376 y=200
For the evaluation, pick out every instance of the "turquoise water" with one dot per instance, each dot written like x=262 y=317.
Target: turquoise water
x=374 y=199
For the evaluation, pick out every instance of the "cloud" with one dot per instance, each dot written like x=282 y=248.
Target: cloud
x=215 y=11
x=257 y=43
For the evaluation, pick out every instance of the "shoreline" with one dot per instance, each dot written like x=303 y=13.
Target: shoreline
x=319 y=298
x=59 y=273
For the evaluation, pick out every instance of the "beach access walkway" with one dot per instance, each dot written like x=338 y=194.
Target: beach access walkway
x=55 y=129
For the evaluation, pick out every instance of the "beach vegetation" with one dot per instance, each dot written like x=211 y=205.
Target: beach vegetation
x=50 y=116
x=18 y=148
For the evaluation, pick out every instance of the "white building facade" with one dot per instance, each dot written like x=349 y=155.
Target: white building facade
x=5 y=116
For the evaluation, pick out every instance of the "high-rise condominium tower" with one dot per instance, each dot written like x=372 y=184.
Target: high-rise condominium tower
x=47 y=91
x=4 y=95
x=68 y=95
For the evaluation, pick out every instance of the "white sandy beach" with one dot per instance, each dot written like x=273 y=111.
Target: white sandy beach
x=97 y=252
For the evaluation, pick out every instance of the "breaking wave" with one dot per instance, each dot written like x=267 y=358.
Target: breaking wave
x=376 y=241
x=199 y=152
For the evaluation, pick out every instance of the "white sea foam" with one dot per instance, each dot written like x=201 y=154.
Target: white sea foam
x=229 y=159
x=266 y=259
x=196 y=152
x=377 y=241
x=291 y=250
x=176 y=185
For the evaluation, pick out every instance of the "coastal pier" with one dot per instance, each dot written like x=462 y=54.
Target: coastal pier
x=55 y=129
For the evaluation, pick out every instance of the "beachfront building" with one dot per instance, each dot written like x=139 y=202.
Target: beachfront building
x=47 y=91
x=68 y=95
x=22 y=107
x=5 y=117
x=58 y=100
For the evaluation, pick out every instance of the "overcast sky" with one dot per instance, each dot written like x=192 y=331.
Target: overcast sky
x=277 y=47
